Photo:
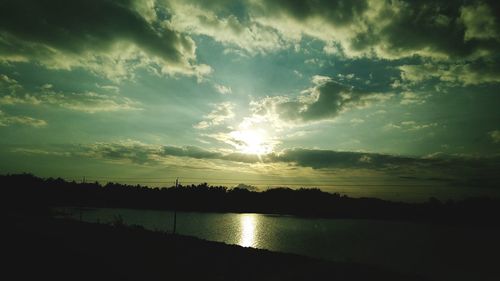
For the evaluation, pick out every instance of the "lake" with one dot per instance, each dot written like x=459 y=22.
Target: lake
x=438 y=252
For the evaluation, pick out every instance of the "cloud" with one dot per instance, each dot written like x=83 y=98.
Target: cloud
x=410 y=125
x=495 y=136
x=479 y=21
x=221 y=113
x=218 y=21
x=13 y=93
x=141 y=153
x=259 y=132
x=137 y=152
x=190 y=151
x=438 y=29
x=37 y=151
x=127 y=150
x=460 y=169
x=201 y=153
x=465 y=35
x=460 y=74
x=337 y=13
x=8 y=120
x=325 y=100
x=110 y=38
x=321 y=159
x=457 y=169
x=356 y=121
x=408 y=97
x=154 y=155
x=223 y=89
x=88 y=102
x=113 y=38
x=328 y=21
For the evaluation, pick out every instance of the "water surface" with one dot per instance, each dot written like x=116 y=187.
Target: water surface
x=435 y=251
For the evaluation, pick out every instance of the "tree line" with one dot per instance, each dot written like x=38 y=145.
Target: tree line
x=26 y=191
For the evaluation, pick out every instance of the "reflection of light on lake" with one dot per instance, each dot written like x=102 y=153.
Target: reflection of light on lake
x=247 y=225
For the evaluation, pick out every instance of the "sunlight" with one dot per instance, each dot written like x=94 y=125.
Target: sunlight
x=252 y=141
x=247 y=224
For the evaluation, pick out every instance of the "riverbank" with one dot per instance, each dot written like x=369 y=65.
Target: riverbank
x=58 y=249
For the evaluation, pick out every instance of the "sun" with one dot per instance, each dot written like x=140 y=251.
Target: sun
x=252 y=141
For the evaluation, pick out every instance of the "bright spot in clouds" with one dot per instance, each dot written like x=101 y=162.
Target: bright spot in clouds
x=252 y=141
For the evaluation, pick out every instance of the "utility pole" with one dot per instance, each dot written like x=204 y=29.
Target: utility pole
x=83 y=182
x=175 y=207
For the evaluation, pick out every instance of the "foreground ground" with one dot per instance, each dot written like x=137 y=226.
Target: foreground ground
x=41 y=248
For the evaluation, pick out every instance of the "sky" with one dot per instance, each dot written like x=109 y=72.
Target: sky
x=393 y=99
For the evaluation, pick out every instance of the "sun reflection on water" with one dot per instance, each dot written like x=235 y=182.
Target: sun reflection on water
x=247 y=230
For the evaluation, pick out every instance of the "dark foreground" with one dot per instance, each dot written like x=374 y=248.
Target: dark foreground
x=42 y=248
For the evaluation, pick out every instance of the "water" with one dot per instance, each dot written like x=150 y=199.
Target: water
x=434 y=251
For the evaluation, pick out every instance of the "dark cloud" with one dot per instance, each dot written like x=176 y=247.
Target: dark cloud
x=456 y=28
x=436 y=26
x=32 y=29
x=141 y=153
x=320 y=159
x=325 y=100
x=451 y=74
x=330 y=159
x=456 y=170
x=459 y=170
x=132 y=151
x=333 y=98
x=222 y=8
x=419 y=26
x=190 y=151
x=335 y=12
x=201 y=153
